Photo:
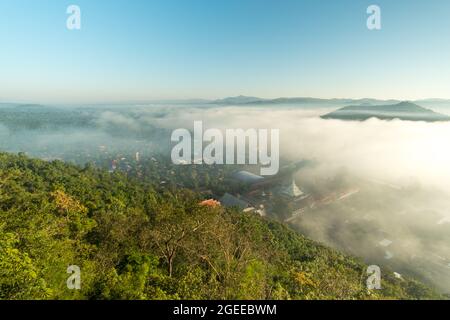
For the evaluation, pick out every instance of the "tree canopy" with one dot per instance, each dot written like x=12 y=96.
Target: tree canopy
x=132 y=242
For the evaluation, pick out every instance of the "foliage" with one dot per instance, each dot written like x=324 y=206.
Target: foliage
x=132 y=242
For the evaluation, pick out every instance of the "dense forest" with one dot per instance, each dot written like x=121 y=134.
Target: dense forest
x=132 y=241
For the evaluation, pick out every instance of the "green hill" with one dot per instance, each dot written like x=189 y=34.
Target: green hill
x=403 y=110
x=132 y=242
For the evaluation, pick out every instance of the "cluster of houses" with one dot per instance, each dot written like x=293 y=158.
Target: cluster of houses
x=261 y=191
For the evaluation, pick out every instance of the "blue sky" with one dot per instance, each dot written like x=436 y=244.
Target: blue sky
x=173 y=49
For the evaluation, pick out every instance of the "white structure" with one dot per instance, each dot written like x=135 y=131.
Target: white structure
x=385 y=243
x=291 y=190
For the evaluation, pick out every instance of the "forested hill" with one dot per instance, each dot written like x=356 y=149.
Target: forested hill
x=132 y=242
x=403 y=111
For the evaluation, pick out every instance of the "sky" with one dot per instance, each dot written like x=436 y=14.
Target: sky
x=182 y=49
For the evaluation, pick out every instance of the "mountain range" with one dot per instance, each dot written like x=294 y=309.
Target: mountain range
x=247 y=100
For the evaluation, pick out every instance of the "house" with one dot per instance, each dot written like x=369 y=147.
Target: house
x=291 y=191
x=210 y=203
x=247 y=177
x=231 y=201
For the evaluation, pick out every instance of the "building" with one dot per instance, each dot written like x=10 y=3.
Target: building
x=247 y=177
x=113 y=166
x=291 y=190
x=210 y=203
x=231 y=201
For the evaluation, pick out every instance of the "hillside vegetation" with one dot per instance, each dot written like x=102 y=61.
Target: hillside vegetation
x=132 y=242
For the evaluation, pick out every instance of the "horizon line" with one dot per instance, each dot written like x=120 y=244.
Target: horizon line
x=209 y=100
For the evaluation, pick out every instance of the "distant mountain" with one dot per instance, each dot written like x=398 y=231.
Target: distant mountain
x=437 y=100
x=402 y=110
x=238 y=100
x=244 y=100
x=317 y=101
